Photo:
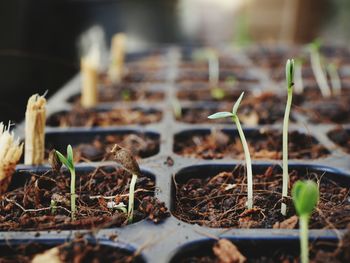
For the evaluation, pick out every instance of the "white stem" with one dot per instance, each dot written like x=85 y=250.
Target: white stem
x=248 y=163
x=131 y=198
x=285 y=151
x=319 y=74
x=304 y=238
x=214 y=71
x=335 y=79
x=298 y=87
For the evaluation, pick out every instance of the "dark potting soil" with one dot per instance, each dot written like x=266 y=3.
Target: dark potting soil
x=144 y=76
x=28 y=206
x=78 y=251
x=268 y=108
x=335 y=111
x=117 y=94
x=79 y=117
x=140 y=145
x=192 y=75
x=220 y=201
x=341 y=137
x=263 y=144
x=320 y=252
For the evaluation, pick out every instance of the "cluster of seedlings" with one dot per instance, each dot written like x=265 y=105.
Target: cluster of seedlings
x=68 y=196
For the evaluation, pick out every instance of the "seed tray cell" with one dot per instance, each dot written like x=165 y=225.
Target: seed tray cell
x=163 y=242
x=92 y=145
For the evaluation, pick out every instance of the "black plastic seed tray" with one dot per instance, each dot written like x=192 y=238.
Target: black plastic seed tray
x=173 y=239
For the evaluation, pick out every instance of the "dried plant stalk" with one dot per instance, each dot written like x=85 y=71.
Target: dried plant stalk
x=118 y=57
x=10 y=153
x=89 y=93
x=35 y=130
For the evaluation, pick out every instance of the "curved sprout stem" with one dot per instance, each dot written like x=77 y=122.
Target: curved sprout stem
x=290 y=83
x=248 y=162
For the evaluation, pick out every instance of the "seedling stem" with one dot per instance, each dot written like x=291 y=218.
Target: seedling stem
x=318 y=71
x=235 y=119
x=131 y=198
x=335 y=79
x=290 y=84
x=69 y=163
x=305 y=198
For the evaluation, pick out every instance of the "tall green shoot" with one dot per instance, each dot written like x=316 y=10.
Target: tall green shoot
x=305 y=197
x=316 y=66
x=69 y=163
x=290 y=84
x=235 y=119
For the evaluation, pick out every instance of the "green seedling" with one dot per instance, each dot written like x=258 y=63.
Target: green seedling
x=126 y=95
x=69 y=163
x=316 y=66
x=128 y=163
x=305 y=198
x=334 y=78
x=217 y=93
x=53 y=206
x=290 y=84
x=230 y=81
x=235 y=119
x=214 y=71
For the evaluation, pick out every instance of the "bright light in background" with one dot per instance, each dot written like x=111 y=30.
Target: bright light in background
x=212 y=21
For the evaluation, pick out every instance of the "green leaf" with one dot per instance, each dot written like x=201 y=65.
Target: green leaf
x=290 y=73
x=219 y=115
x=305 y=197
x=62 y=159
x=70 y=155
x=236 y=105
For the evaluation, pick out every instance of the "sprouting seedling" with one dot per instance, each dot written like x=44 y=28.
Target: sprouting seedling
x=290 y=84
x=316 y=66
x=235 y=119
x=177 y=109
x=305 y=198
x=334 y=78
x=298 y=69
x=128 y=163
x=69 y=163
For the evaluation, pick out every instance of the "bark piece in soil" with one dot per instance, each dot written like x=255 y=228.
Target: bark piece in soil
x=265 y=251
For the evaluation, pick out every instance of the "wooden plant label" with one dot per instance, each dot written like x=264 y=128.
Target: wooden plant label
x=35 y=130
